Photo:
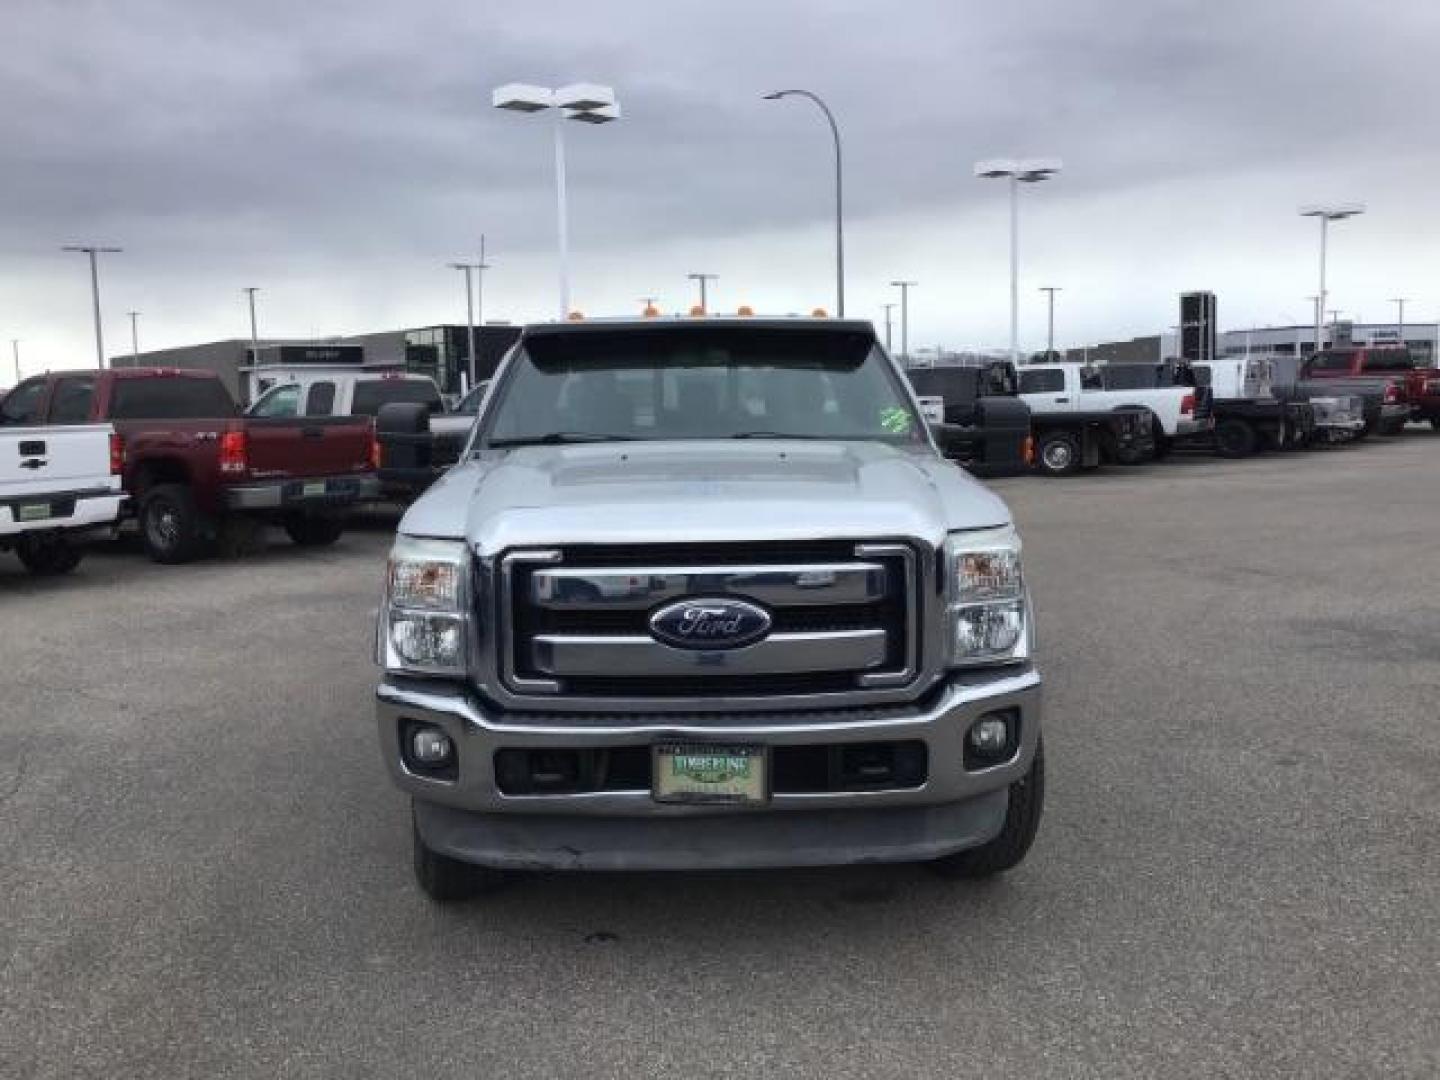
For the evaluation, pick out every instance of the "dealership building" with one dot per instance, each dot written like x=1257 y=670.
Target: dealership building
x=441 y=352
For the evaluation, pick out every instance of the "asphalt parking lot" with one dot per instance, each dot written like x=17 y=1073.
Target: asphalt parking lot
x=206 y=871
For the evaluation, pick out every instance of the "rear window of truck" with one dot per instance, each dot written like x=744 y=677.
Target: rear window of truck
x=163 y=398
x=953 y=386
x=370 y=394
x=1042 y=382
x=1389 y=360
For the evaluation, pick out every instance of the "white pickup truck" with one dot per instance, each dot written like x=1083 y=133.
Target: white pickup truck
x=56 y=483
x=1054 y=388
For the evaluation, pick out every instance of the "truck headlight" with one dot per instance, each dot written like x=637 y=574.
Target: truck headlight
x=425 y=619
x=988 y=612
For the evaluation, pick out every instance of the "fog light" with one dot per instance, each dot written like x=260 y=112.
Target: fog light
x=430 y=746
x=990 y=736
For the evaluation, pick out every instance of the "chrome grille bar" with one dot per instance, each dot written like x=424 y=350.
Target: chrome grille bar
x=573 y=656
x=632 y=588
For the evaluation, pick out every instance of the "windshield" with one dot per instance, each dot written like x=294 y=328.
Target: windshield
x=715 y=383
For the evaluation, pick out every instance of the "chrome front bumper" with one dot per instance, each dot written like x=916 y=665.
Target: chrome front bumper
x=469 y=818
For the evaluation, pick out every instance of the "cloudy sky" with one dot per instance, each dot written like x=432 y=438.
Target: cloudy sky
x=338 y=155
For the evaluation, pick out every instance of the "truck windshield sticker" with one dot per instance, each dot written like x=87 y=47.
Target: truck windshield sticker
x=895 y=420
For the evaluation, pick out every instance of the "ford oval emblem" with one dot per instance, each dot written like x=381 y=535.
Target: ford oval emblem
x=710 y=623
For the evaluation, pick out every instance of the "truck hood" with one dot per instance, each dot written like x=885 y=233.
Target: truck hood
x=701 y=491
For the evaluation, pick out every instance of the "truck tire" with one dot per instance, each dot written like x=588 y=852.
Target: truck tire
x=1007 y=850
x=171 y=525
x=445 y=880
x=1392 y=427
x=1164 y=444
x=314 y=530
x=1435 y=423
x=1057 y=454
x=1234 y=438
x=47 y=556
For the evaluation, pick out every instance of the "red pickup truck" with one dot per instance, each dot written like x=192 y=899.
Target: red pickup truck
x=1407 y=391
x=192 y=464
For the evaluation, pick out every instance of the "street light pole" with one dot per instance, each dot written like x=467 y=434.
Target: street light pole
x=480 y=269
x=1399 y=302
x=134 y=337
x=585 y=102
x=704 y=295
x=15 y=350
x=1017 y=172
x=904 y=287
x=888 y=308
x=839 y=190
x=1050 y=291
x=1327 y=214
x=469 y=316
x=93 y=250
x=250 y=291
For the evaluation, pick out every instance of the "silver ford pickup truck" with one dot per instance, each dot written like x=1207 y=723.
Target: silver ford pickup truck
x=703 y=594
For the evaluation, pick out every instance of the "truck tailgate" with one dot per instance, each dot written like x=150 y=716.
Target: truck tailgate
x=308 y=446
x=55 y=459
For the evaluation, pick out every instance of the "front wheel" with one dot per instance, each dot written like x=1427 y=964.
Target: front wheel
x=446 y=880
x=1058 y=454
x=47 y=556
x=1009 y=848
x=312 y=530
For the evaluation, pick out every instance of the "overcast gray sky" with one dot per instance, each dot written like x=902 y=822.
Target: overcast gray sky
x=339 y=154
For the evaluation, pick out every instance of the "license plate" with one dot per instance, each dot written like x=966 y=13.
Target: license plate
x=695 y=773
x=33 y=512
x=313 y=489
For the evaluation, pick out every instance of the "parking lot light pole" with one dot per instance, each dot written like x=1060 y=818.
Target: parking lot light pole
x=702 y=279
x=480 y=269
x=1399 y=302
x=1327 y=214
x=839 y=190
x=585 y=102
x=15 y=351
x=469 y=314
x=1031 y=171
x=904 y=287
x=888 y=308
x=1050 y=291
x=250 y=291
x=94 y=250
x=134 y=337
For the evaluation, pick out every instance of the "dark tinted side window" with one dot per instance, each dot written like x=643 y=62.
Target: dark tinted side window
x=1389 y=360
x=71 y=403
x=370 y=394
x=22 y=405
x=320 y=401
x=165 y=398
x=1332 y=361
x=1041 y=382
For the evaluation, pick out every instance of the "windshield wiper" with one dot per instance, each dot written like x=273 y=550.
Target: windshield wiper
x=556 y=438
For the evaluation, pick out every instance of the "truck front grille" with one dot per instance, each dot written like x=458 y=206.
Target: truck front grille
x=843 y=619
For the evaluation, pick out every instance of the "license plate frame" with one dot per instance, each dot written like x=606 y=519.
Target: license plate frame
x=34 y=512
x=687 y=784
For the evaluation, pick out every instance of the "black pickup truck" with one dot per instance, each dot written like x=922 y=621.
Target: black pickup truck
x=987 y=427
